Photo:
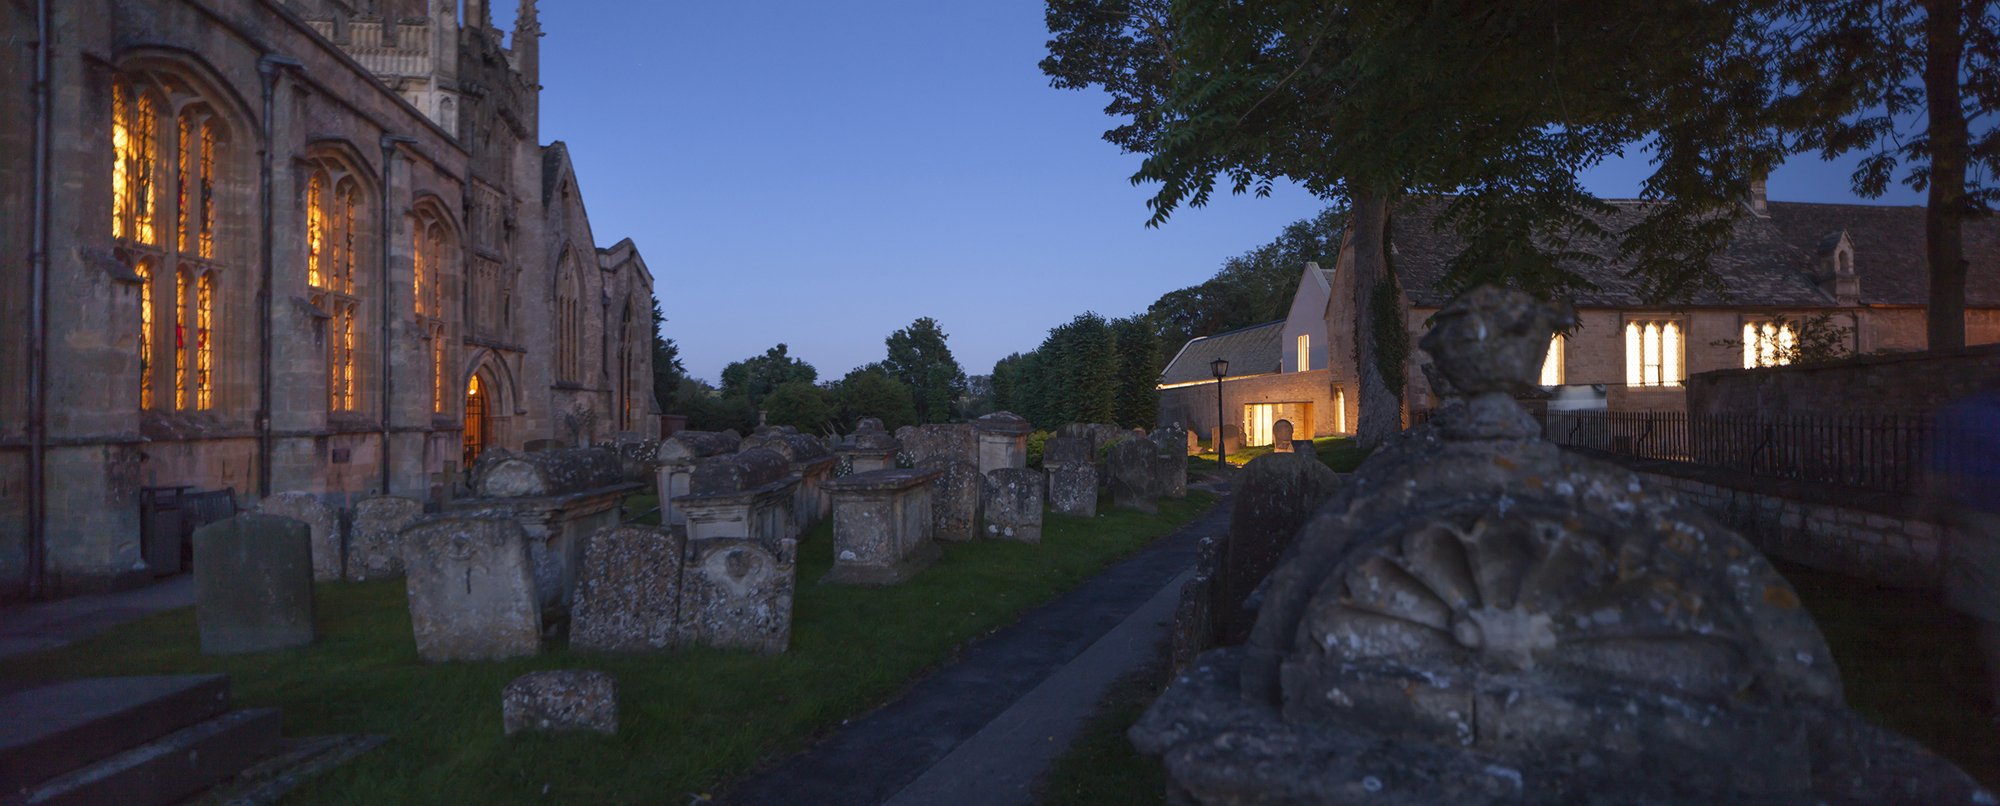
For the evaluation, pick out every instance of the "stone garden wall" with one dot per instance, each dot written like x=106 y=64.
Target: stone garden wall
x=1904 y=383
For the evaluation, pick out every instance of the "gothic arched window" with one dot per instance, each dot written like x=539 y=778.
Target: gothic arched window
x=172 y=162
x=337 y=261
x=569 y=321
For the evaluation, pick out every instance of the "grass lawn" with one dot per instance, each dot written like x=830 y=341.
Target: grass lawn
x=1908 y=664
x=688 y=721
x=1338 y=453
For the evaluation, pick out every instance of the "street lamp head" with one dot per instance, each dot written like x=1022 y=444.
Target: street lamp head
x=1219 y=366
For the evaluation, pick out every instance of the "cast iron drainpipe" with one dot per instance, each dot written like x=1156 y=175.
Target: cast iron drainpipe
x=38 y=325
x=389 y=143
x=267 y=70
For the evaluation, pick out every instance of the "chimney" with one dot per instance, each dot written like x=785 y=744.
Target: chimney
x=1758 y=204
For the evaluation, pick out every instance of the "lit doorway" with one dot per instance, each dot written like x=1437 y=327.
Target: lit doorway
x=1259 y=417
x=476 y=434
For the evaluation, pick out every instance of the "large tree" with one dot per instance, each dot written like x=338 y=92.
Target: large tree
x=1913 y=84
x=753 y=378
x=919 y=358
x=1499 y=101
x=870 y=391
x=1135 y=397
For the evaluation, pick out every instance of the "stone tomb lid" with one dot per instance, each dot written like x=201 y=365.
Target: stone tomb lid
x=1003 y=422
x=548 y=473
x=687 y=446
x=738 y=473
x=887 y=479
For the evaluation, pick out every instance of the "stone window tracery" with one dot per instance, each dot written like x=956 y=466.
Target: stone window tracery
x=171 y=165
x=569 y=322
x=432 y=250
x=337 y=263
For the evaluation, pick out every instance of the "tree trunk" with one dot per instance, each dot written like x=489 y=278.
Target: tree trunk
x=1381 y=407
x=1944 y=215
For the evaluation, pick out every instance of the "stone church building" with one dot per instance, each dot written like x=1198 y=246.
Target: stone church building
x=284 y=245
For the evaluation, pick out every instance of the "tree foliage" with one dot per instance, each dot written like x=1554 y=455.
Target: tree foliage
x=754 y=378
x=668 y=371
x=919 y=358
x=802 y=405
x=1911 y=84
x=1499 y=102
x=1088 y=370
x=708 y=410
x=870 y=391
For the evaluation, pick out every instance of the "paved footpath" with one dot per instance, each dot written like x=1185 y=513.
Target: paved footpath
x=36 y=626
x=980 y=731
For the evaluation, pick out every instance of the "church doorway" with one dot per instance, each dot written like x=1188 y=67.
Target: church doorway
x=476 y=428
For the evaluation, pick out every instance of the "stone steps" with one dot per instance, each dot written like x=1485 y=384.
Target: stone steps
x=131 y=741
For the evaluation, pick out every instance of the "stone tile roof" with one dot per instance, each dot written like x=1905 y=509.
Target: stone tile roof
x=1889 y=253
x=1761 y=267
x=1250 y=351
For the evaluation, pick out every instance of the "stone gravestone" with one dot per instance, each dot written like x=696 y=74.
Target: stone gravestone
x=569 y=699
x=472 y=589
x=1232 y=439
x=954 y=497
x=628 y=599
x=1133 y=475
x=1281 y=436
x=559 y=497
x=1273 y=498
x=329 y=553
x=1193 y=444
x=1169 y=469
x=737 y=593
x=1481 y=618
x=1072 y=475
x=372 y=548
x=881 y=527
x=1013 y=504
x=253 y=578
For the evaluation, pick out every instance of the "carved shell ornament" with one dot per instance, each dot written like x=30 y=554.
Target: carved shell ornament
x=1511 y=592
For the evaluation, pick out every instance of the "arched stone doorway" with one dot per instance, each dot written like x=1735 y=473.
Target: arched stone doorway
x=478 y=430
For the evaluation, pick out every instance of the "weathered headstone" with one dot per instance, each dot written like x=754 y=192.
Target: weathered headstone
x=1281 y=436
x=1482 y=618
x=568 y=699
x=559 y=498
x=1012 y=506
x=1193 y=444
x=1169 y=471
x=472 y=589
x=1134 y=476
x=329 y=549
x=628 y=598
x=1003 y=440
x=372 y=548
x=253 y=577
x=1273 y=498
x=1072 y=475
x=1231 y=440
x=1305 y=446
x=737 y=593
x=881 y=526
x=954 y=497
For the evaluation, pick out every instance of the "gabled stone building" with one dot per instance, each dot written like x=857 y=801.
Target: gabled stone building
x=284 y=245
x=1277 y=371
x=1862 y=264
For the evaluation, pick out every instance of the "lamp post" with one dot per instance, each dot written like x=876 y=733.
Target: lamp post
x=1220 y=367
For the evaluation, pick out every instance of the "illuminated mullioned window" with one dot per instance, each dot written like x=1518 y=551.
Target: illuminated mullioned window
x=1552 y=366
x=1653 y=353
x=1768 y=344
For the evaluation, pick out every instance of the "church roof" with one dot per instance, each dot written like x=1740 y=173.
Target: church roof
x=1250 y=351
x=1773 y=261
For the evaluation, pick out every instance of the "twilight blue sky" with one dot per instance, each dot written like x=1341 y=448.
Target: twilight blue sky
x=821 y=174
